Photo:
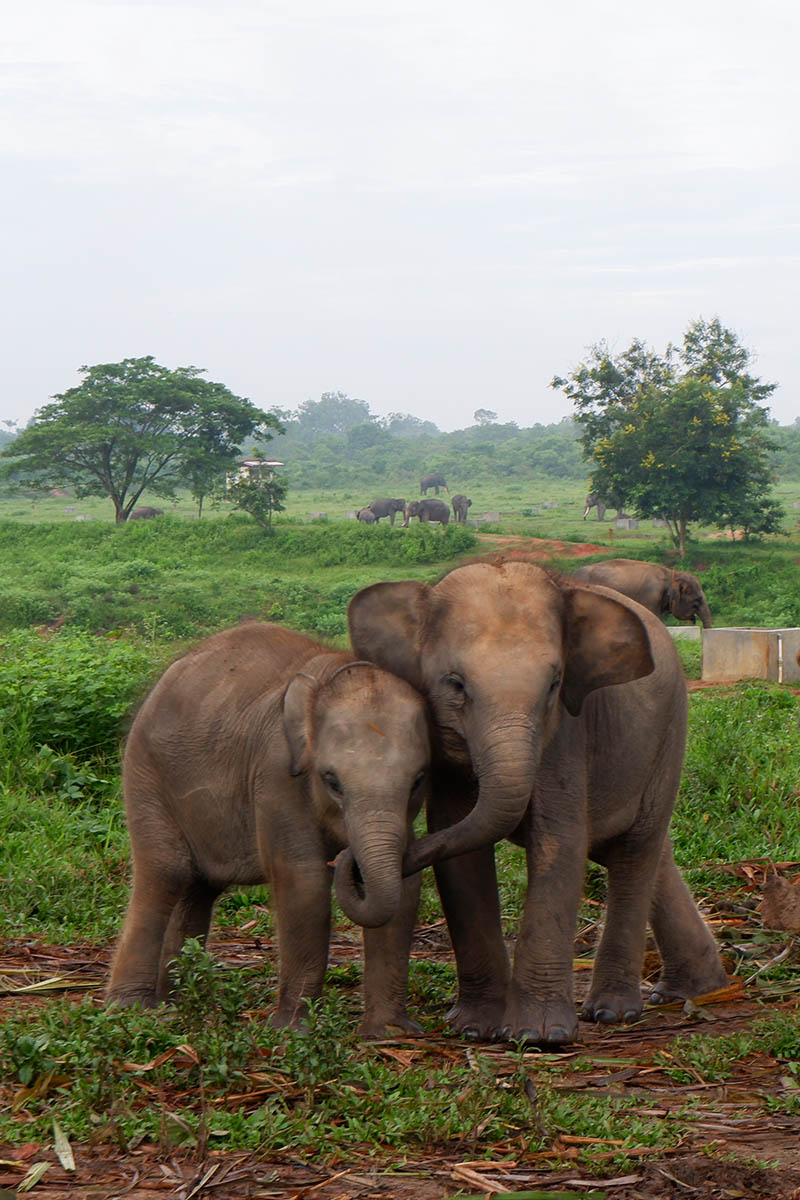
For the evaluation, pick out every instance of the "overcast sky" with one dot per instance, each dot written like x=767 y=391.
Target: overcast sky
x=432 y=205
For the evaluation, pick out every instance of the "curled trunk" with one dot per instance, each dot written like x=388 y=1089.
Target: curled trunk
x=506 y=769
x=368 y=876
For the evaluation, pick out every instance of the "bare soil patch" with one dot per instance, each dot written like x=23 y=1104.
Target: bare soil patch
x=539 y=548
x=732 y=1148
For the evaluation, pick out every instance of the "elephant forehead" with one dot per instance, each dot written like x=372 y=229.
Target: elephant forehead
x=376 y=730
x=510 y=600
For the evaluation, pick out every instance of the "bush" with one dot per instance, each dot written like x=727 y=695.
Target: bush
x=68 y=690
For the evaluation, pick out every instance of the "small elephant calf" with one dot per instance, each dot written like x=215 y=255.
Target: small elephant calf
x=260 y=755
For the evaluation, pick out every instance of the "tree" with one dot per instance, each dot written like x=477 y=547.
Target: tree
x=259 y=497
x=135 y=425
x=334 y=412
x=484 y=416
x=680 y=436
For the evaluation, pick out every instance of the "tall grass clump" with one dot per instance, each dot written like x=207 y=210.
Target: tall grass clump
x=740 y=792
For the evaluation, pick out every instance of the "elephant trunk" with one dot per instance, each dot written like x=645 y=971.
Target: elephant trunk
x=505 y=765
x=704 y=613
x=368 y=875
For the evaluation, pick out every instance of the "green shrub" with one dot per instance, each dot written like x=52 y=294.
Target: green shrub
x=68 y=690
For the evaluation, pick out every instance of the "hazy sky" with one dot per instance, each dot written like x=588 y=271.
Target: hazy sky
x=433 y=205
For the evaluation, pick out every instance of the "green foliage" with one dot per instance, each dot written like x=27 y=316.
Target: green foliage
x=258 y=498
x=680 y=436
x=715 y=1058
x=134 y=425
x=181 y=579
x=67 y=691
x=739 y=794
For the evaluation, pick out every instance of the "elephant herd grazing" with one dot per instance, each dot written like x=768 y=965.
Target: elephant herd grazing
x=427 y=510
x=513 y=702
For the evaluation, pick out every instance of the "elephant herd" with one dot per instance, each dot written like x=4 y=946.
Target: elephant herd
x=511 y=702
x=426 y=510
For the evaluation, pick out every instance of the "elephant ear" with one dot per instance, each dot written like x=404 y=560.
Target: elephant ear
x=606 y=643
x=385 y=621
x=298 y=703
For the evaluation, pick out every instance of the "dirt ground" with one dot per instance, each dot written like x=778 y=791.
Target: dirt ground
x=729 y=1133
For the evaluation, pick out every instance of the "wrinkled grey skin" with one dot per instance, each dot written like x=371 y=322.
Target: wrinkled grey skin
x=432 y=481
x=559 y=717
x=460 y=505
x=658 y=588
x=367 y=516
x=145 y=513
x=387 y=508
x=427 y=510
x=259 y=756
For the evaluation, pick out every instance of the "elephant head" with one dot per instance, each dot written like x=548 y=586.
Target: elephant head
x=499 y=650
x=686 y=598
x=361 y=736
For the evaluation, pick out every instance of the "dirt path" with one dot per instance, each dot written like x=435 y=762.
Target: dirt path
x=541 y=549
x=727 y=1131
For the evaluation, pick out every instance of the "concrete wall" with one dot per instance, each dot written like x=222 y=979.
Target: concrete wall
x=731 y=654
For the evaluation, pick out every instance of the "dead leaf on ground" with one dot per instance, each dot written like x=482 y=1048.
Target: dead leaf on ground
x=780 y=908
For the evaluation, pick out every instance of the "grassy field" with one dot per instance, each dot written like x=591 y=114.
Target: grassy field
x=89 y=615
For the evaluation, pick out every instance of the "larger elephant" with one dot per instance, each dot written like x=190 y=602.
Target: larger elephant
x=387 y=507
x=594 y=500
x=659 y=589
x=427 y=510
x=260 y=755
x=432 y=481
x=560 y=720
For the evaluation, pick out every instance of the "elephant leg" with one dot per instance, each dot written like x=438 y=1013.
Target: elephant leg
x=386 y=954
x=615 y=993
x=191 y=918
x=540 y=1006
x=471 y=903
x=135 y=969
x=302 y=896
x=690 y=956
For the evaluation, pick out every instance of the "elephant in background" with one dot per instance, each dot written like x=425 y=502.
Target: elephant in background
x=432 y=481
x=145 y=513
x=593 y=500
x=559 y=715
x=387 y=508
x=427 y=510
x=460 y=505
x=258 y=756
x=367 y=516
x=659 y=589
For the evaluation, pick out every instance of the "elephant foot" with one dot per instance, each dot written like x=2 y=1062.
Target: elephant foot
x=550 y=1022
x=144 y=998
x=477 y=1021
x=693 y=983
x=613 y=1006
x=395 y=1024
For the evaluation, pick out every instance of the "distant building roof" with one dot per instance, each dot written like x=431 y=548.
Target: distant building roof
x=260 y=462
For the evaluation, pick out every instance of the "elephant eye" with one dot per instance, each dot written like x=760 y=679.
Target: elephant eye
x=418 y=782
x=332 y=781
x=455 y=682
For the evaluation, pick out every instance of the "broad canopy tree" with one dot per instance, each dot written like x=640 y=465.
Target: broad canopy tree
x=681 y=436
x=135 y=425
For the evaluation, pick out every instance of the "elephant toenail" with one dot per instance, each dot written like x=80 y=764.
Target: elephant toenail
x=631 y=1015
x=558 y=1035
x=472 y=1033
x=605 y=1016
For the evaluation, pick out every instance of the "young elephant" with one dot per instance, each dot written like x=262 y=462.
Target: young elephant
x=659 y=589
x=367 y=516
x=460 y=505
x=427 y=510
x=560 y=718
x=259 y=756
